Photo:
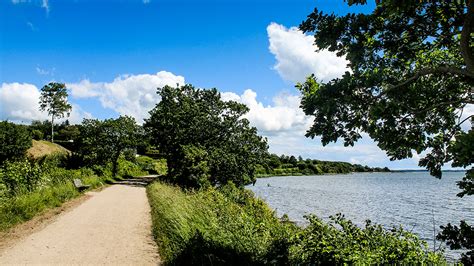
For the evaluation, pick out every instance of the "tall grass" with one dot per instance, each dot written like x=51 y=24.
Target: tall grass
x=22 y=208
x=229 y=226
x=214 y=227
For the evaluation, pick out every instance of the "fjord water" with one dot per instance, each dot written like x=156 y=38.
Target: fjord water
x=411 y=199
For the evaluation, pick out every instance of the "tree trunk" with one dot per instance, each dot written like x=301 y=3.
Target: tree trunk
x=52 y=129
x=115 y=165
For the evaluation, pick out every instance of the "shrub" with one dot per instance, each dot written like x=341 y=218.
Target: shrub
x=14 y=139
x=37 y=134
x=342 y=242
x=20 y=177
x=128 y=169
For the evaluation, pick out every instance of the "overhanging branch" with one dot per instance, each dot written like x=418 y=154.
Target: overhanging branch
x=429 y=71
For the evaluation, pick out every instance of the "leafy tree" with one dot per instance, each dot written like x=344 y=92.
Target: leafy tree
x=411 y=77
x=205 y=140
x=14 y=141
x=54 y=100
x=43 y=126
x=101 y=142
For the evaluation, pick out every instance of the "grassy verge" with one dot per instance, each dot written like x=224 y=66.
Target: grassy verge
x=215 y=227
x=228 y=226
x=24 y=207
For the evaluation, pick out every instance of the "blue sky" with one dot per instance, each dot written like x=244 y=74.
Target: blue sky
x=113 y=55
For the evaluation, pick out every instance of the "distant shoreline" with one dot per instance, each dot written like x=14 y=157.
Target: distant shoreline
x=391 y=171
x=424 y=170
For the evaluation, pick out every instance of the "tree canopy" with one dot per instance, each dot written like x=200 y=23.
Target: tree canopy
x=205 y=140
x=101 y=142
x=411 y=78
x=53 y=99
x=14 y=141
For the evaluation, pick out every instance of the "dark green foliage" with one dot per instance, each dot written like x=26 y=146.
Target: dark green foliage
x=342 y=242
x=63 y=132
x=101 y=142
x=53 y=99
x=204 y=139
x=42 y=129
x=287 y=165
x=412 y=74
x=20 y=177
x=458 y=238
x=462 y=151
x=409 y=81
x=37 y=135
x=14 y=141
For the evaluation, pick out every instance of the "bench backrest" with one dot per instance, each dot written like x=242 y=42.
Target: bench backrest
x=77 y=182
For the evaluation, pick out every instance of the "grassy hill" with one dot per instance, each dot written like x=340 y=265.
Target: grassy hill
x=42 y=148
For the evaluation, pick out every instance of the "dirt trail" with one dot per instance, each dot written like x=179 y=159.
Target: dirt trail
x=112 y=227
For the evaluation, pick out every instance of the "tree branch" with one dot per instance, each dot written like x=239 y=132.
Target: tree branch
x=429 y=71
x=465 y=41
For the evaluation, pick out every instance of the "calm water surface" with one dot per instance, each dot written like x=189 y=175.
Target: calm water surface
x=410 y=199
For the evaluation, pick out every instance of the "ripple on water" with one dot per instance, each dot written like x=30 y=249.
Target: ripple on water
x=412 y=200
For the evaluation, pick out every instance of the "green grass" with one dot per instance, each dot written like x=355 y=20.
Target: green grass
x=214 y=227
x=228 y=226
x=24 y=207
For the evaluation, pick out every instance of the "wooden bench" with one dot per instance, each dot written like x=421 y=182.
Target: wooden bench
x=78 y=184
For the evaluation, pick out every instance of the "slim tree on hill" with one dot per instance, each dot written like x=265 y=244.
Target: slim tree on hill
x=54 y=100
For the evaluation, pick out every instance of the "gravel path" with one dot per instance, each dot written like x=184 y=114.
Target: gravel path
x=112 y=227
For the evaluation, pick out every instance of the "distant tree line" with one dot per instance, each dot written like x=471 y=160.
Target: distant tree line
x=290 y=165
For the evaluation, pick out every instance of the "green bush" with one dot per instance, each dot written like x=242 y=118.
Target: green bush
x=125 y=169
x=14 y=139
x=37 y=134
x=128 y=169
x=152 y=166
x=161 y=167
x=20 y=177
x=342 y=242
x=146 y=163
x=28 y=188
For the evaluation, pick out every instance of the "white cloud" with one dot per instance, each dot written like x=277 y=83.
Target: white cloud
x=19 y=102
x=45 y=5
x=133 y=95
x=44 y=71
x=31 y=26
x=284 y=124
x=283 y=115
x=296 y=56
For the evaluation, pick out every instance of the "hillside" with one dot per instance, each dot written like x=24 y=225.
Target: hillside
x=42 y=148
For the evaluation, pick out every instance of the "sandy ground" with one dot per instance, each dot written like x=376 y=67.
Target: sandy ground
x=112 y=227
